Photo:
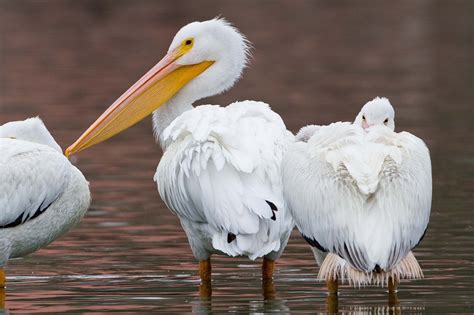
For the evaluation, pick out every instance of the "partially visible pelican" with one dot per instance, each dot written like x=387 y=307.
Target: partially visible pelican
x=361 y=196
x=220 y=171
x=42 y=195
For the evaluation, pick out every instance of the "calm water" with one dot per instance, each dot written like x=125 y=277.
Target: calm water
x=314 y=62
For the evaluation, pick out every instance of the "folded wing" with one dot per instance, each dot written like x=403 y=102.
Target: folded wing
x=223 y=169
x=32 y=177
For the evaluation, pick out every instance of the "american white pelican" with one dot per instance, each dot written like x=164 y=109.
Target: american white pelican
x=361 y=196
x=42 y=195
x=220 y=171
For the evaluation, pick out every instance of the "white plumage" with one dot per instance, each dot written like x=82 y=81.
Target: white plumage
x=221 y=174
x=366 y=196
x=41 y=194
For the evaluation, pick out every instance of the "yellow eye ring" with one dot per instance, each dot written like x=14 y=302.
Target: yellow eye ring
x=186 y=46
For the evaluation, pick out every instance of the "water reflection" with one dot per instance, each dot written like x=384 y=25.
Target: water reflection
x=313 y=61
x=271 y=302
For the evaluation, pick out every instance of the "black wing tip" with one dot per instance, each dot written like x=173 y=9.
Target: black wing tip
x=273 y=208
x=271 y=205
x=20 y=219
x=377 y=269
x=421 y=238
x=314 y=243
x=231 y=237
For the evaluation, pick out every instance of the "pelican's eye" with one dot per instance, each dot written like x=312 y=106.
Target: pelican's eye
x=186 y=45
x=363 y=117
x=385 y=121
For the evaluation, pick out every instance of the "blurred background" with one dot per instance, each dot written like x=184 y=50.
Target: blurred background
x=313 y=62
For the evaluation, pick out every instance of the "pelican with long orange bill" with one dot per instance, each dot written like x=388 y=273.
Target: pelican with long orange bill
x=220 y=169
x=154 y=89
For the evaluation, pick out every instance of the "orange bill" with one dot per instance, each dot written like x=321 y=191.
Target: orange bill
x=154 y=89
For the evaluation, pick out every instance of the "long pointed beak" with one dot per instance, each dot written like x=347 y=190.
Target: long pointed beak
x=154 y=89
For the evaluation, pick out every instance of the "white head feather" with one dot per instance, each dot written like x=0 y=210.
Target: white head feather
x=31 y=130
x=214 y=40
x=378 y=111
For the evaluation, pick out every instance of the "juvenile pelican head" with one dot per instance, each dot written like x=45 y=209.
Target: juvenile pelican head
x=204 y=59
x=378 y=111
x=31 y=130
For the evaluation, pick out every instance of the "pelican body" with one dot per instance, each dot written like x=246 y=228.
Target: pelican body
x=367 y=197
x=220 y=170
x=42 y=195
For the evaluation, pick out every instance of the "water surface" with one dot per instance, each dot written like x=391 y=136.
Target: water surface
x=314 y=62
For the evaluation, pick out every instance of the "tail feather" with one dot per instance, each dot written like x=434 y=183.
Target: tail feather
x=251 y=245
x=334 y=267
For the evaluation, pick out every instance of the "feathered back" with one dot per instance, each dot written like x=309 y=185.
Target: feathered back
x=367 y=193
x=223 y=170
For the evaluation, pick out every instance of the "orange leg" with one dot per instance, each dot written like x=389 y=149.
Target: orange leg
x=2 y=300
x=205 y=269
x=205 y=273
x=268 y=266
x=269 y=292
x=3 y=278
x=205 y=290
x=392 y=285
x=332 y=286
x=3 y=282
x=392 y=293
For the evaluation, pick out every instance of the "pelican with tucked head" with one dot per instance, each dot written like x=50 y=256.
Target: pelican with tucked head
x=42 y=195
x=220 y=171
x=367 y=199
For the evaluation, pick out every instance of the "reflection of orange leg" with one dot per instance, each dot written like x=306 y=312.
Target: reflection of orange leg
x=332 y=286
x=332 y=304
x=268 y=267
x=393 y=299
x=205 y=269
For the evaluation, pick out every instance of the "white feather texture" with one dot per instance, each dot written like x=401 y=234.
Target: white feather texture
x=306 y=132
x=214 y=40
x=31 y=130
x=41 y=194
x=219 y=172
x=367 y=192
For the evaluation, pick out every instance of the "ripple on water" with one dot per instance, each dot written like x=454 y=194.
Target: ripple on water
x=67 y=61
